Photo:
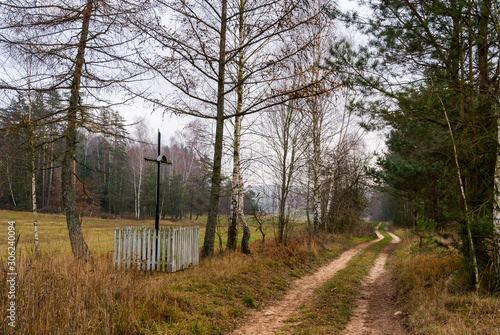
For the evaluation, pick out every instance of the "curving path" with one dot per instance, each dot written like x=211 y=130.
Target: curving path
x=261 y=323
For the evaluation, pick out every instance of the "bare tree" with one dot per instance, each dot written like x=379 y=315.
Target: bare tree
x=206 y=42
x=285 y=135
x=319 y=106
x=308 y=48
x=77 y=47
x=137 y=151
x=347 y=185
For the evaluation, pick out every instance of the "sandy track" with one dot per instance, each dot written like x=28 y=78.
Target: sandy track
x=378 y=304
x=300 y=294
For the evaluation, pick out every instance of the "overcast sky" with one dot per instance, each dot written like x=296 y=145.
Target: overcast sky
x=168 y=124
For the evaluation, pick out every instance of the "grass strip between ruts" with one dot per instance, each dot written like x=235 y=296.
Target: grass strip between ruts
x=335 y=301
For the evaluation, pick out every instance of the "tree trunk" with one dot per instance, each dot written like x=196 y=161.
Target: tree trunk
x=134 y=183
x=31 y=134
x=209 y=240
x=316 y=170
x=232 y=232
x=10 y=185
x=78 y=245
x=33 y=198
x=245 y=248
x=464 y=198
x=245 y=240
x=138 y=188
x=51 y=174
x=43 y=163
x=495 y=271
x=237 y=200
x=282 y=220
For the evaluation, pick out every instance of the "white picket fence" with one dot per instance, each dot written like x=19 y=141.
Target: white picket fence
x=174 y=249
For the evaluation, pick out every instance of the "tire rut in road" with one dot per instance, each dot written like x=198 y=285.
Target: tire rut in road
x=378 y=304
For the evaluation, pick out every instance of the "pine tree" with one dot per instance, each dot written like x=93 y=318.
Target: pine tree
x=435 y=63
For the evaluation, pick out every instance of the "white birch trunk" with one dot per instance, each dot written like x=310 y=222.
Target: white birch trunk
x=237 y=214
x=237 y=189
x=33 y=175
x=33 y=197
x=495 y=270
x=316 y=173
x=51 y=173
x=134 y=181
x=316 y=134
x=241 y=216
x=137 y=188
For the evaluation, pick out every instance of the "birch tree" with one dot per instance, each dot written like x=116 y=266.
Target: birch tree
x=18 y=118
x=204 y=46
x=318 y=107
x=310 y=19
x=285 y=136
x=237 y=201
x=136 y=153
x=33 y=170
x=495 y=269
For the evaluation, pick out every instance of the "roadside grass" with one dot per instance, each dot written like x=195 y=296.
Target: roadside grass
x=364 y=232
x=335 y=301
x=432 y=286
x=57 y=294
x=401 y=233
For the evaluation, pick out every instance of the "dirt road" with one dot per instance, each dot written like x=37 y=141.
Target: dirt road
x=272 y=318
x=376 y=307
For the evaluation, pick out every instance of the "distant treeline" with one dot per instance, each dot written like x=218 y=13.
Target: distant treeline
x=111 y=176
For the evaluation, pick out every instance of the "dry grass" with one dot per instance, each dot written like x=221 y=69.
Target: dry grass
x=59 y=295
x=432 y=286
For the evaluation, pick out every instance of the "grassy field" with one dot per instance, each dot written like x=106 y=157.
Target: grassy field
x=98 y=233
x=57 y=294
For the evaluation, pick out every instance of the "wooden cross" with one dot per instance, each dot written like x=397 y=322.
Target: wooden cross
x=161 y=159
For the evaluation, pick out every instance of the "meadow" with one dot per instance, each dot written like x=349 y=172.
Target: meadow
x=98 y=233
x=56 y=294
